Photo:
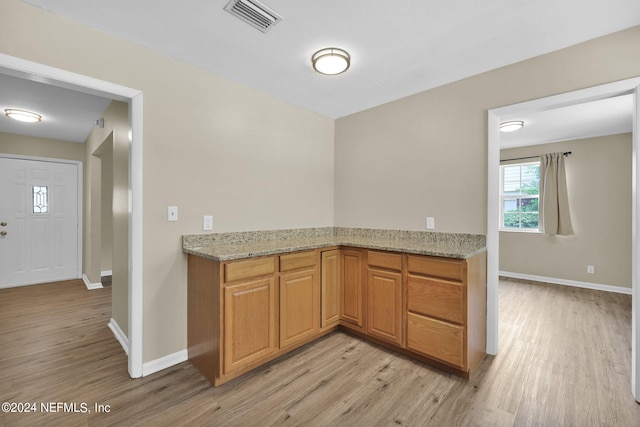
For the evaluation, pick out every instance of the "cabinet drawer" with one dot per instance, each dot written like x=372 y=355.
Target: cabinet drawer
x=440 y=340
x=453 y=269
x=297 y=260
x=436 y=298
x=249 y=268
x=384 y=260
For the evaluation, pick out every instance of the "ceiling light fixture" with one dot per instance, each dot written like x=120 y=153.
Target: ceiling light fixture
x=331 y=61
x=22 y=115
x=511 y=126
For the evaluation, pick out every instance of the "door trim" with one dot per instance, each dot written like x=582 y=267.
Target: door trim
x=79 y=198
x=494 y=117
x=22 y=68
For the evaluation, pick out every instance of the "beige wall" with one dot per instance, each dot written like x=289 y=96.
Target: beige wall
x=426 y=155
x=40 y=147
x=106 y=180
x=107 y=206
x=212 y=146
x=599 y=185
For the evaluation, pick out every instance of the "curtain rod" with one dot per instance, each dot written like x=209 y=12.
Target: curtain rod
x=566 y=153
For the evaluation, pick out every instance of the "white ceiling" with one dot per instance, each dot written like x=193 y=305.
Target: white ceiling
x=398 y=47
x=598 y=118
x=66 y=115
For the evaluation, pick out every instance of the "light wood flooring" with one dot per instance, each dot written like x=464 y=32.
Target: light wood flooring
x=564 y=360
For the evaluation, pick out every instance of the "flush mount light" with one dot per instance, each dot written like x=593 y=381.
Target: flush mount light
x=511 y=126
x=331 y=61
x=22 y=115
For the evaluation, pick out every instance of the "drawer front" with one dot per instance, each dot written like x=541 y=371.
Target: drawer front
x=445 y=268
x=436 y=298
x=440 y=340
x=249 y=268
x=298 y=260
x=384 y=260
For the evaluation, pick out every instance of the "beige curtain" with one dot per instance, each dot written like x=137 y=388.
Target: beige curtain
x=554 y=201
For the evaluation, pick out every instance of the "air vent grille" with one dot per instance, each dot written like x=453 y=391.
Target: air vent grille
x=254 y=13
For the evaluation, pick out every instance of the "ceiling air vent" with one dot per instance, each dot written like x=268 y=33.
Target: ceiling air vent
x=253 y=13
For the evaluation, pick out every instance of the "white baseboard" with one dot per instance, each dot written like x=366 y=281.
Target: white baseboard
x=106 y=273
x=90 y=285
x=164 y=362
x=120 y=336
x=565 y=282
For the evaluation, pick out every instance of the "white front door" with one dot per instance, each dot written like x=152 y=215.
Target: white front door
x=39 y=221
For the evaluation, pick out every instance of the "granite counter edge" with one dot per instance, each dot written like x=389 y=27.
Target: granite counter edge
x=210 y=253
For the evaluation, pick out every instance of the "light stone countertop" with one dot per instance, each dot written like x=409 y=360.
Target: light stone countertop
x=231 y=246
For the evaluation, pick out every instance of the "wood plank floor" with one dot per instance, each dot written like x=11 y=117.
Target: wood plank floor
x=564 y=360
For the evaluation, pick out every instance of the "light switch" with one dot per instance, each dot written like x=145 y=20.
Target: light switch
x=172 y=213
x=207 y=223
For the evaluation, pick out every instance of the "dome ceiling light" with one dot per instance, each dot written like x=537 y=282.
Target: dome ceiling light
x=331 y=61
x=22 y=115
x=511 y=126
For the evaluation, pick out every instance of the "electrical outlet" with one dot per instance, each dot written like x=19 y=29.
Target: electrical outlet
x=431 y=223
x=591 y=269
x=207 y=223
x=172 y=213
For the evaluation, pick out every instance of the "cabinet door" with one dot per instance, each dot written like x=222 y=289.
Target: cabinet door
x=352 y=287
x=250 y=322
x=384 y=295
x=330 y=283
x=299 y=306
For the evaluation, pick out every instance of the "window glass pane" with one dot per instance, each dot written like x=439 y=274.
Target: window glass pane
x=520 y=190
x=511 y=220
x=529 y=220
x=510 y=205
x=511 y=179
x=529 y=205
x=40 y=199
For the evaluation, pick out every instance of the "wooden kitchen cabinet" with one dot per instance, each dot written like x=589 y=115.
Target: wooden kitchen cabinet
x=352 y=287
x=249 y=323
x=384 y=296
x=330 y=288
x=299 y=307
x=244 y=313
x=446 y=309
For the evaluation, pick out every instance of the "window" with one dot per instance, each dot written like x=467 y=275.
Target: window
x=519 y=192
x=40 y=199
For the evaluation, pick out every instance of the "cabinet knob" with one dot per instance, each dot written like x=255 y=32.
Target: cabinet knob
x=3 y=223
x=3 y=233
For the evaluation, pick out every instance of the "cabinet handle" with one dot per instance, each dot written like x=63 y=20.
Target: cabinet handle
x=3 y=233
x=3 y=223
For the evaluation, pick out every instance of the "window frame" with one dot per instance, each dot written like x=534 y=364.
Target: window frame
x=501 y=226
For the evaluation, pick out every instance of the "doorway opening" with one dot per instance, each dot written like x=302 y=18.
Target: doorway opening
x=495 y=117
x=133 y=98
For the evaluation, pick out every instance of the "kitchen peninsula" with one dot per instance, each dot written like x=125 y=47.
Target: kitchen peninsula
x=253 y=296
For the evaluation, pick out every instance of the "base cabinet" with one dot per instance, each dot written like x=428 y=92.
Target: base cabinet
x=384 y=305
x=446 y=309
x=352 y=287
x=249 y=323
x=299 y=307
x=244 y=313
x=330 y=288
